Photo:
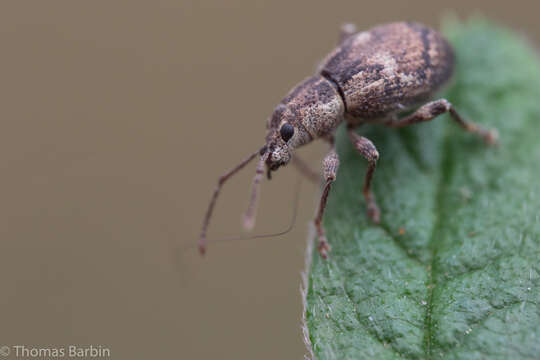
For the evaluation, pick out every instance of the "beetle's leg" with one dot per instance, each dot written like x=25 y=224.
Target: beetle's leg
x=306 y=170
x=330 y=164
x=346 y=31
x=222 y=179
x=366 y=148
x=435 y=108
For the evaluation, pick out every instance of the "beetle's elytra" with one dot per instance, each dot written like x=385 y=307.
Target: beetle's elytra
x=372 y=76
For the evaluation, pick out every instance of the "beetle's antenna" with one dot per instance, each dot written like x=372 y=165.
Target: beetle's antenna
x=249 y=216
x=279 y=233
x=261 y=236
x=221 y=181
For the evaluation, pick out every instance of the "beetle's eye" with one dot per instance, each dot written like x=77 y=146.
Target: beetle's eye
x=286 y=132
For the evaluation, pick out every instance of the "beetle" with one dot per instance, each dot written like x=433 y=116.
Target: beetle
x=371 y=77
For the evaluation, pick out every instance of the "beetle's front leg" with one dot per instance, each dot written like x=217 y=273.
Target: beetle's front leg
x=330 y=165
x=366 y=148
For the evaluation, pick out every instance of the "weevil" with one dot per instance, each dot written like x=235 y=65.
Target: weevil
x=371 y=77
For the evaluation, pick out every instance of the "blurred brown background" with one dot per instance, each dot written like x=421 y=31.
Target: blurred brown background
x=117 y=117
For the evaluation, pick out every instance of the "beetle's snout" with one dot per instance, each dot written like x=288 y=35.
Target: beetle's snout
x=278 y=156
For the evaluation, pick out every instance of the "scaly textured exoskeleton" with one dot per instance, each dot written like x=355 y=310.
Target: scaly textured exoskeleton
x=371 y=76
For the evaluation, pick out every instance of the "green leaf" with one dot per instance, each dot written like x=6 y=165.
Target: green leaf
x=453 y=270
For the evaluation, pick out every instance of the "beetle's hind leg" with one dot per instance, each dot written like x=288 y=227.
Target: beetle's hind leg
x=435 y=108
x=346 y=31
x=366 y=148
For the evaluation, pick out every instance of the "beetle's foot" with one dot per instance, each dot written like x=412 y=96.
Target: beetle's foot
x=373 y=212
x=202 y=249
x=491 y=136
x=323 y=247
x=347 y=30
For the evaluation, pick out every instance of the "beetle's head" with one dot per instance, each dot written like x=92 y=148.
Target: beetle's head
x=278 y=148
x=312 y=109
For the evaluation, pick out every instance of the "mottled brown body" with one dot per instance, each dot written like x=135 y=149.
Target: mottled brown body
x=390 y=67
x=371 y=76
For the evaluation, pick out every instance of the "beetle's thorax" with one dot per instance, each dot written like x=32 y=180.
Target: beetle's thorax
x=313 y=109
